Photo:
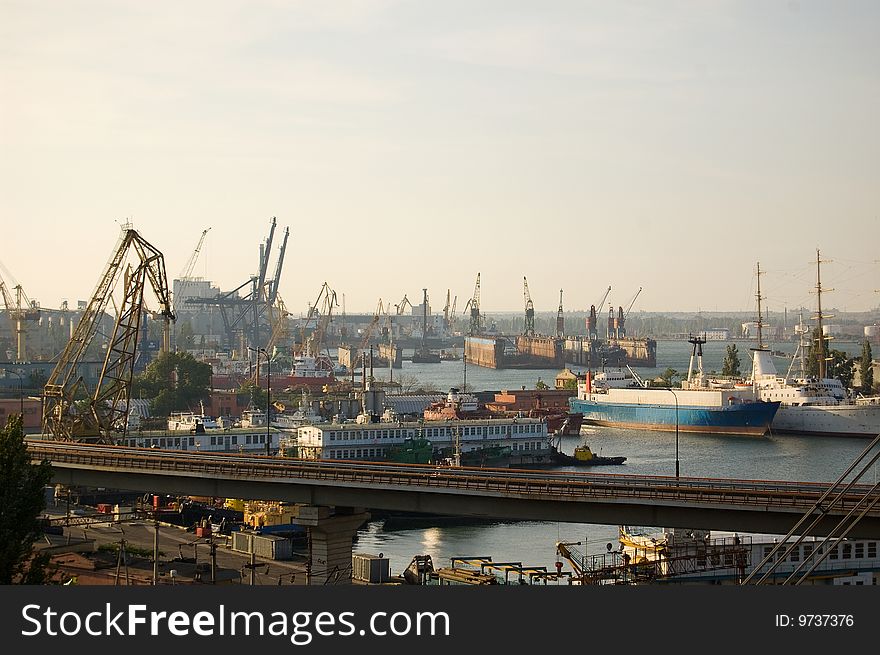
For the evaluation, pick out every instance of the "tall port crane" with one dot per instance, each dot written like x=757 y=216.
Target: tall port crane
x=623 y=315
x=529 y=329
x=243 y=309
x=593 y=320
x=186 y=274
x=318 y=319
x=371 y=327
x=560 y=318
x=71 y=411
x=20 y=310
x=474 y=305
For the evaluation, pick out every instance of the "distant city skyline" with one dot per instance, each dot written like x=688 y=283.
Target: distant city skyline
x=662 y=145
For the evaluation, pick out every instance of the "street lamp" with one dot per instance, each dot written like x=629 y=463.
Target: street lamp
x=676 y=432
x=263 y=351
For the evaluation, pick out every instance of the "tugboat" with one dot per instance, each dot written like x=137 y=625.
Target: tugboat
x=584 y=456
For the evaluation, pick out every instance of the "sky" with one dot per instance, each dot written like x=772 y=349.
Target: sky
x=668 y=146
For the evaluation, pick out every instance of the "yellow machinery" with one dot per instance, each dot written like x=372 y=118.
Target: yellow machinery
x=72 y=411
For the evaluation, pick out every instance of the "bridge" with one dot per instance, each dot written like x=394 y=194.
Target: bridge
x=607 y=499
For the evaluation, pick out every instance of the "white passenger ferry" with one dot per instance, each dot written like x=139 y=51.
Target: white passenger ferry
x=374 y=441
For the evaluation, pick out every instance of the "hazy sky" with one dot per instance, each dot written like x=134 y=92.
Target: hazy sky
x=668 y=145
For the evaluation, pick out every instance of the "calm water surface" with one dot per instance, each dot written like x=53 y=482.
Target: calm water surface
x=649 y=453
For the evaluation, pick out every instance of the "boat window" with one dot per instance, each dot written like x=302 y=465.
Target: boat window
x=860 y=549
x=833 y=554
x=808 y=551
x=796 y=554
x=847 y=551
x=872 y=549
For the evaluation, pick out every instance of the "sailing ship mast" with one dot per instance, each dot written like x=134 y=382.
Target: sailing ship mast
x=819 y=316
x=760 y=316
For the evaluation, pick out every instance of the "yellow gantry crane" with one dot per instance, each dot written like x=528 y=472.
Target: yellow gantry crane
x=72 y=411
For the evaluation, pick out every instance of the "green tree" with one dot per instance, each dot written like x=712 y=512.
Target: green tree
x=22 y=499
x=570 y=385
x=541 y=384
x=812 y=363
x=731 y=366
x=667 y=378
x=841 y=367
x=173 y=382
x=185 y=337
x=866 y=369
x=253 y=394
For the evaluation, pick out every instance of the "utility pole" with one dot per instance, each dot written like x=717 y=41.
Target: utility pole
x=155 y=547
x=213 y=561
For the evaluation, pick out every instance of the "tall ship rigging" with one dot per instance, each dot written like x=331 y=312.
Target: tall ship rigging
x=816 y=405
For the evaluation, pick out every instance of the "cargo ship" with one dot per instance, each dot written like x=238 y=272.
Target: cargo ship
x=695 y=407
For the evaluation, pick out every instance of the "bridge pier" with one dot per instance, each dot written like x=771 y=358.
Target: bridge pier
x=331 y=532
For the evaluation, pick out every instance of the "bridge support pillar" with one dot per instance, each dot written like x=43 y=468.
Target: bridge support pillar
x=331 y=533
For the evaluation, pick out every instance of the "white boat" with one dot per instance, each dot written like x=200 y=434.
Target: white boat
x=615 y=378
x=190 y=422
x=817 y=406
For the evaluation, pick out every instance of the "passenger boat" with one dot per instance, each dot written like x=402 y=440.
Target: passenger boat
x=695 y=407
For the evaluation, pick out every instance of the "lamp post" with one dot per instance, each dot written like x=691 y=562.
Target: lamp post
x=676 y=432
x=263 y=351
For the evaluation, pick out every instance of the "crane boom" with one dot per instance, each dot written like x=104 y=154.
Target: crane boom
x=186 y=273
x=276 y=280
x=100 y=415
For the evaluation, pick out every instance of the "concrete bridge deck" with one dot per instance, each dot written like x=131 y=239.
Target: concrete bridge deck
x=610 y=499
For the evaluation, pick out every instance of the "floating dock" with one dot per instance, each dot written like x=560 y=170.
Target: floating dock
x=541 y=352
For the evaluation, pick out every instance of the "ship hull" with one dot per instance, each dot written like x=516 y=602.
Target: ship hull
x=751 y=419
x=828 y=421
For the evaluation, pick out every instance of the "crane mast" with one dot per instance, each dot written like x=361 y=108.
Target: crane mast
x=529 y=328
x=104 y=410
x=474 y=304
x=560 y=318
x=20 y=310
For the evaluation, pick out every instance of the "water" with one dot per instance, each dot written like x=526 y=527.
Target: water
x=817 y=459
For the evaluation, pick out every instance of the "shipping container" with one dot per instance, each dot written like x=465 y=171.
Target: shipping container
x=370 y=568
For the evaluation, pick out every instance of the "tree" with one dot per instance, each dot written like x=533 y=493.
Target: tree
x=841 y=367
x=812 y=363
x=186 y=340
x=541 y=385
x=667 y=378
x=22 y=499
x=174 y=382
x=731 y=366
x=256 y=395
x=866 y=368
x=570 y=384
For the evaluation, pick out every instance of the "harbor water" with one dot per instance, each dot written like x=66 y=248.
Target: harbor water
x=789 y=457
